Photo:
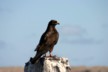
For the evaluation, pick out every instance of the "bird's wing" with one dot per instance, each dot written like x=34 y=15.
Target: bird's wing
x=43 y=42
x=47 y=39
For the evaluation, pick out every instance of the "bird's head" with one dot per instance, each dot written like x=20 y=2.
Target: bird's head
x=53 y=22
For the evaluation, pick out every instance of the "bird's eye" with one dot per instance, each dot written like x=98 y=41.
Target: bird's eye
x=55 y=22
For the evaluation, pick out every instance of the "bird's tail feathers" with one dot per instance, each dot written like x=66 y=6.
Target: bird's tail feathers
x=36 y=58
x=38 y=47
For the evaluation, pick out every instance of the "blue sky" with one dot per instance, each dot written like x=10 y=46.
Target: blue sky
x=83 y=30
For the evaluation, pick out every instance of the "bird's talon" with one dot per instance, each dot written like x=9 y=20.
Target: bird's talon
x=50 y=55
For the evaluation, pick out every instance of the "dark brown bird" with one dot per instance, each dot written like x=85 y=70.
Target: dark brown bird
x=47 y=41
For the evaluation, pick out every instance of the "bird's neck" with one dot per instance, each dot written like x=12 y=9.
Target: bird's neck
x=51 y=28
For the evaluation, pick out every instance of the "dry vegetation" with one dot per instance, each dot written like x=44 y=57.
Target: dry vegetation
x=74 y=69
x=11 y=69
x=90 y=69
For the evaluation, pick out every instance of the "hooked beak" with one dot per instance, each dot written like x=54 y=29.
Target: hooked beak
x=58 y=23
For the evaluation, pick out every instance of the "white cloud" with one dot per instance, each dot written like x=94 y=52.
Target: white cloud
x=82 y=41
x=77 y=35
x=72 y=30
x=2 y=44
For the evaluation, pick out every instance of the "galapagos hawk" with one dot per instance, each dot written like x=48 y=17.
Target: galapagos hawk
x=47 y=41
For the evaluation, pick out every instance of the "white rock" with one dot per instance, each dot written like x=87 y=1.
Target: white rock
x=49 y=64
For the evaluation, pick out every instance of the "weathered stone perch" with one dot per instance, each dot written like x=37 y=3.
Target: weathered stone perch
x=48 y=64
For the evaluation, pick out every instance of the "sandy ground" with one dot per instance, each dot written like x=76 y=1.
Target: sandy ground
x=74 y=69
x=90 y=69
x=11 y=69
